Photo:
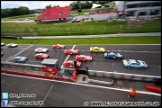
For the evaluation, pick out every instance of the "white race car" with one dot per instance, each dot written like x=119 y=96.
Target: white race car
x=41 y=50
x=12 y=45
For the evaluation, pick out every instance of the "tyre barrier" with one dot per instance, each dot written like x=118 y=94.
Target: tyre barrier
x=101 y=82
x=36 y=75
x=153 y=88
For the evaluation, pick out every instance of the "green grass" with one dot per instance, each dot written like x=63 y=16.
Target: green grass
x=85 y=28
x=80 y=13
x=112 y=40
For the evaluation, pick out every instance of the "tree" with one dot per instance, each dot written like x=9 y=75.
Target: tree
x=48 y=6
x=23 y=10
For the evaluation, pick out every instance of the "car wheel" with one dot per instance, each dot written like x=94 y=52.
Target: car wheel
x=142 y=67
x=128 y=66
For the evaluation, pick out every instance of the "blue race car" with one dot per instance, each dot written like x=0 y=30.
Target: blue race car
x=20 y=59
x=132 y=63
x=112 y=55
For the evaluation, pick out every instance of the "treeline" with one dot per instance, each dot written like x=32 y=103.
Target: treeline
x=76 y=5
x=15 y=11
x=86 y=4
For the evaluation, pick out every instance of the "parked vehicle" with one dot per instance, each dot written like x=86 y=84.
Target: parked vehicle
x=76 y=19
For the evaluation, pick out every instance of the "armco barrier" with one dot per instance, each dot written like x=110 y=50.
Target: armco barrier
x=101 y=82
x=116 y=75
x=153 y=88
x=36 y=75
x=93 y=73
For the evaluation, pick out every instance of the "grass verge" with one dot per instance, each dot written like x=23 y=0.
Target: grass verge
x=85 y=28
x=110 y=40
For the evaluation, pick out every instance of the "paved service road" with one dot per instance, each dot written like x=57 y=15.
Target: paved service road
x=59 y=94
x=149 y=53
x=97 y=36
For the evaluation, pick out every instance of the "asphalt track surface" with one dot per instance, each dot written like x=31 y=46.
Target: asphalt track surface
x=63 y=94
x=149 y=53
x=97 y=36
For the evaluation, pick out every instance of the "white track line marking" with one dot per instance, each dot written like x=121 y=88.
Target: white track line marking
x=47 y=93
x=68 y=56
x=87 y=85
x=20 y=52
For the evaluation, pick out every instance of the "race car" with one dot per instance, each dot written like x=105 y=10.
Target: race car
x=83 y=58
x=41 y=56
x=70 y=63
x=20 y=59
x=97 y=49
x=11 y=45
x=70 y=51
x=133 y=63
x=58 y=46
x=41 y=50
x=112 y=55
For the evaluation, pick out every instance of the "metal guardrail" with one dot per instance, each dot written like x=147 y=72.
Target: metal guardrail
x=101 y=82
x=116 y=75
x=93 y=73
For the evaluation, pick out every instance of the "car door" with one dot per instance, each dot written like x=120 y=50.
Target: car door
x=135 y=65
x=96 y=50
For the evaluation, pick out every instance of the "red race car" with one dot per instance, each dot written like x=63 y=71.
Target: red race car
x=70 y=63
x=83 y=58
x=58 y=46
x=41 y=56
x=70 y=51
